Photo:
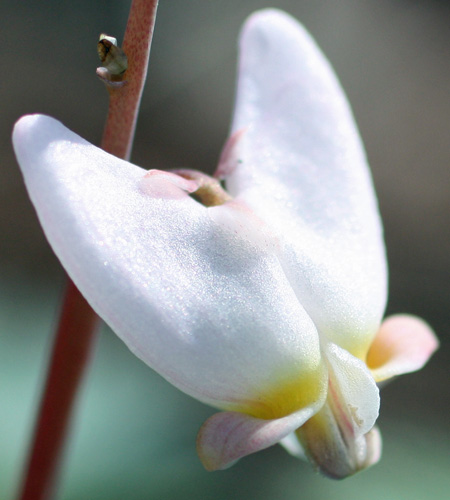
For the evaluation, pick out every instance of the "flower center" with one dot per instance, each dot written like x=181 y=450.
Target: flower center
x=210 y=193
x=288 y=396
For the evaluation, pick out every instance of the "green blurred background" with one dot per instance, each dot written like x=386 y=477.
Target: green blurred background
x=133 y=434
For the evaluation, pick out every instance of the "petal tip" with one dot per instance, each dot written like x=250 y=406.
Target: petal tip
x=403 y=344
x=22 y=125
x=269 y=15
x=271 y=21
x=228 y=436
x=26 y=122
x=212 y=444
x=31 y=131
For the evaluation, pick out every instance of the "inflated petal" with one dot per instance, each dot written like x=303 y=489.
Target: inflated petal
x=403 y=344
x=302 y=169
x=189 y=289
x=225 y=437
x=340 y=439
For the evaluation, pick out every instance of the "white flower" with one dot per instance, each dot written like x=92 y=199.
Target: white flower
x=266 y=305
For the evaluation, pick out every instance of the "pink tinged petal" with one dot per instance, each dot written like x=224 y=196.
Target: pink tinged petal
x=374 y=447
x=202 y=301
x=303 y=171
x=229 y=158
x=340 y=439
x=403 y=344
x=160 y=184
x=228 y=436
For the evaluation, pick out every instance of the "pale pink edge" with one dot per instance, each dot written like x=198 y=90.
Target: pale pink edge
x=410 y=342
x=229 y=157
x=374 y=445
x=228 y=436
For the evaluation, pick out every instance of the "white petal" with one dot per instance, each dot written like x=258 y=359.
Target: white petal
x=340 y=439
x=303 y=170
x=293 y=446
x=354 y=389
x=228 y=436
x=205 y=306
x=403 y=344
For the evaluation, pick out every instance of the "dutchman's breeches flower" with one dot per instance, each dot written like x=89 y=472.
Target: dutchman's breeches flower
x=264 y=300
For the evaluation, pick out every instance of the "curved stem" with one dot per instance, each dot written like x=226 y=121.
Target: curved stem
x=72 y=348
x=77 y=329
x=124 y=101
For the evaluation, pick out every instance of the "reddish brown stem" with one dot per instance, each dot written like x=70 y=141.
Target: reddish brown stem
x=124 y=101
x=77 y=328
x=71 y=352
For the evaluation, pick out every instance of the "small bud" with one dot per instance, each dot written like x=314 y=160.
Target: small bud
x=114 y=61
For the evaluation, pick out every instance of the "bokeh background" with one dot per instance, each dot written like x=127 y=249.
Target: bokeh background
x=133 y=434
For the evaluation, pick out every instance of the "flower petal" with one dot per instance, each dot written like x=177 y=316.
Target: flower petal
x=303 y=170
x=205 y=304
x=228 y=436
x=293 y=446
x=403 y=344
x=353 y=390
x=340 y=439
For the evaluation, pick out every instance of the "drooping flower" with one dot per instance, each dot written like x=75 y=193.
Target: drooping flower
x=264 y=300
